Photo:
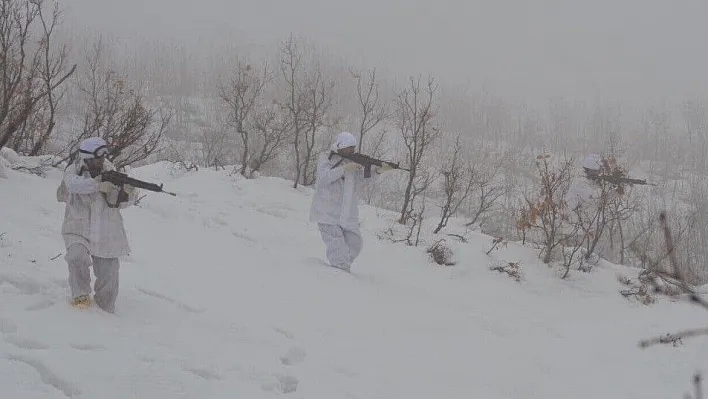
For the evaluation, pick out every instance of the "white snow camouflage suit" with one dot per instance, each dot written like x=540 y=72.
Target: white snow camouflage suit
x=335 y=208
x=93 y=234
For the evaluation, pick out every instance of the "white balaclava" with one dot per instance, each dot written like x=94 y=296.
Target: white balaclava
x=592 y=162
x=88 y=147
x=344 y=140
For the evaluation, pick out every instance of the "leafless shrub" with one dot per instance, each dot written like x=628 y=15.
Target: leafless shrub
x=410 y=233
x=457 y=183
x=214 y=146
x=415 y=226
x=639 y=290
x=548 y=212
x=172 y=153
x=485 y=189
x=512 y=269
x=441 y=253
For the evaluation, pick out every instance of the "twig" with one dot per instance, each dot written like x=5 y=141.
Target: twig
x=55 y=257
x=671 y=253
x=460 y=237
x=495 y=243
x=697 y=379
x=673 y=338
x=694 y=298
x=513 y=269
x=651 y=276
x=39 y=170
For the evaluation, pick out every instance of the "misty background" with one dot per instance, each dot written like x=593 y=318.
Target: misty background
x=631 y=50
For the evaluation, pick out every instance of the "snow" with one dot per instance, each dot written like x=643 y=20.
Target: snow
x=226 y=295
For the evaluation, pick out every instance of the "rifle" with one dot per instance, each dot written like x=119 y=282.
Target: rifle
x=121 y=179
x=618 y=180
x=366 y=161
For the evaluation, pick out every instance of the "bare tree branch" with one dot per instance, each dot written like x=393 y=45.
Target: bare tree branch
x=414 y=115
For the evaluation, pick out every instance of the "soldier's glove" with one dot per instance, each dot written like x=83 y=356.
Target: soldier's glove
x=106 y=187
x=129 y=189
x=351 y=167
x=124 y=195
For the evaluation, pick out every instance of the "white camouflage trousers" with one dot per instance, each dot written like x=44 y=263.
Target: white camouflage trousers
x=105 y=269
x=343 y=245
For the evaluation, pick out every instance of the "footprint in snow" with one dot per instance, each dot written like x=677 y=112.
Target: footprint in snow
x=47 y=376
x=203 y=373
x=7 y=327
x=293 y=356
x=282 y=384
x=88 y=347
x=173 y=301
x=40 y=305
x=61 y=282
x=272 y=212
x=25 y=343
x=23 y=285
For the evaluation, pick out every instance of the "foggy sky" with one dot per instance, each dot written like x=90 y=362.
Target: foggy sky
x=618 y=49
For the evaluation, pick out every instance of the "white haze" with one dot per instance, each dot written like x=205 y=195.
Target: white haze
x=641 y=51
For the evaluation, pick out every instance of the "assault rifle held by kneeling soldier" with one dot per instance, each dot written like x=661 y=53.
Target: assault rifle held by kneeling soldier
x=366 y=161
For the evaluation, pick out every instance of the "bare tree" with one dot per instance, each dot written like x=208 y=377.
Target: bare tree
x=318 y=102
x=272 y=128
x=373 y=110
x=696 y=127
x=458 y=179
x=241 y=95
x=308 y=101
x=53 y=66
x=118 y=114
x=374 y=148
x=214 y=146
x=414 y=115
x=592 y=216
x=549 y=211
x=30 y=73
x=485 y=189
x=291 y=64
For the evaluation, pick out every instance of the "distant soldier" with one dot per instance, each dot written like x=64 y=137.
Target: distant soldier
x=600 y=169
x=599 y=173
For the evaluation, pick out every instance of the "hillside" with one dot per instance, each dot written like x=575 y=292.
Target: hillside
x=225 y=295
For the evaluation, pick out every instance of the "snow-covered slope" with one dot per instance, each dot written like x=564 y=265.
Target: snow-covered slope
x=225 y=295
